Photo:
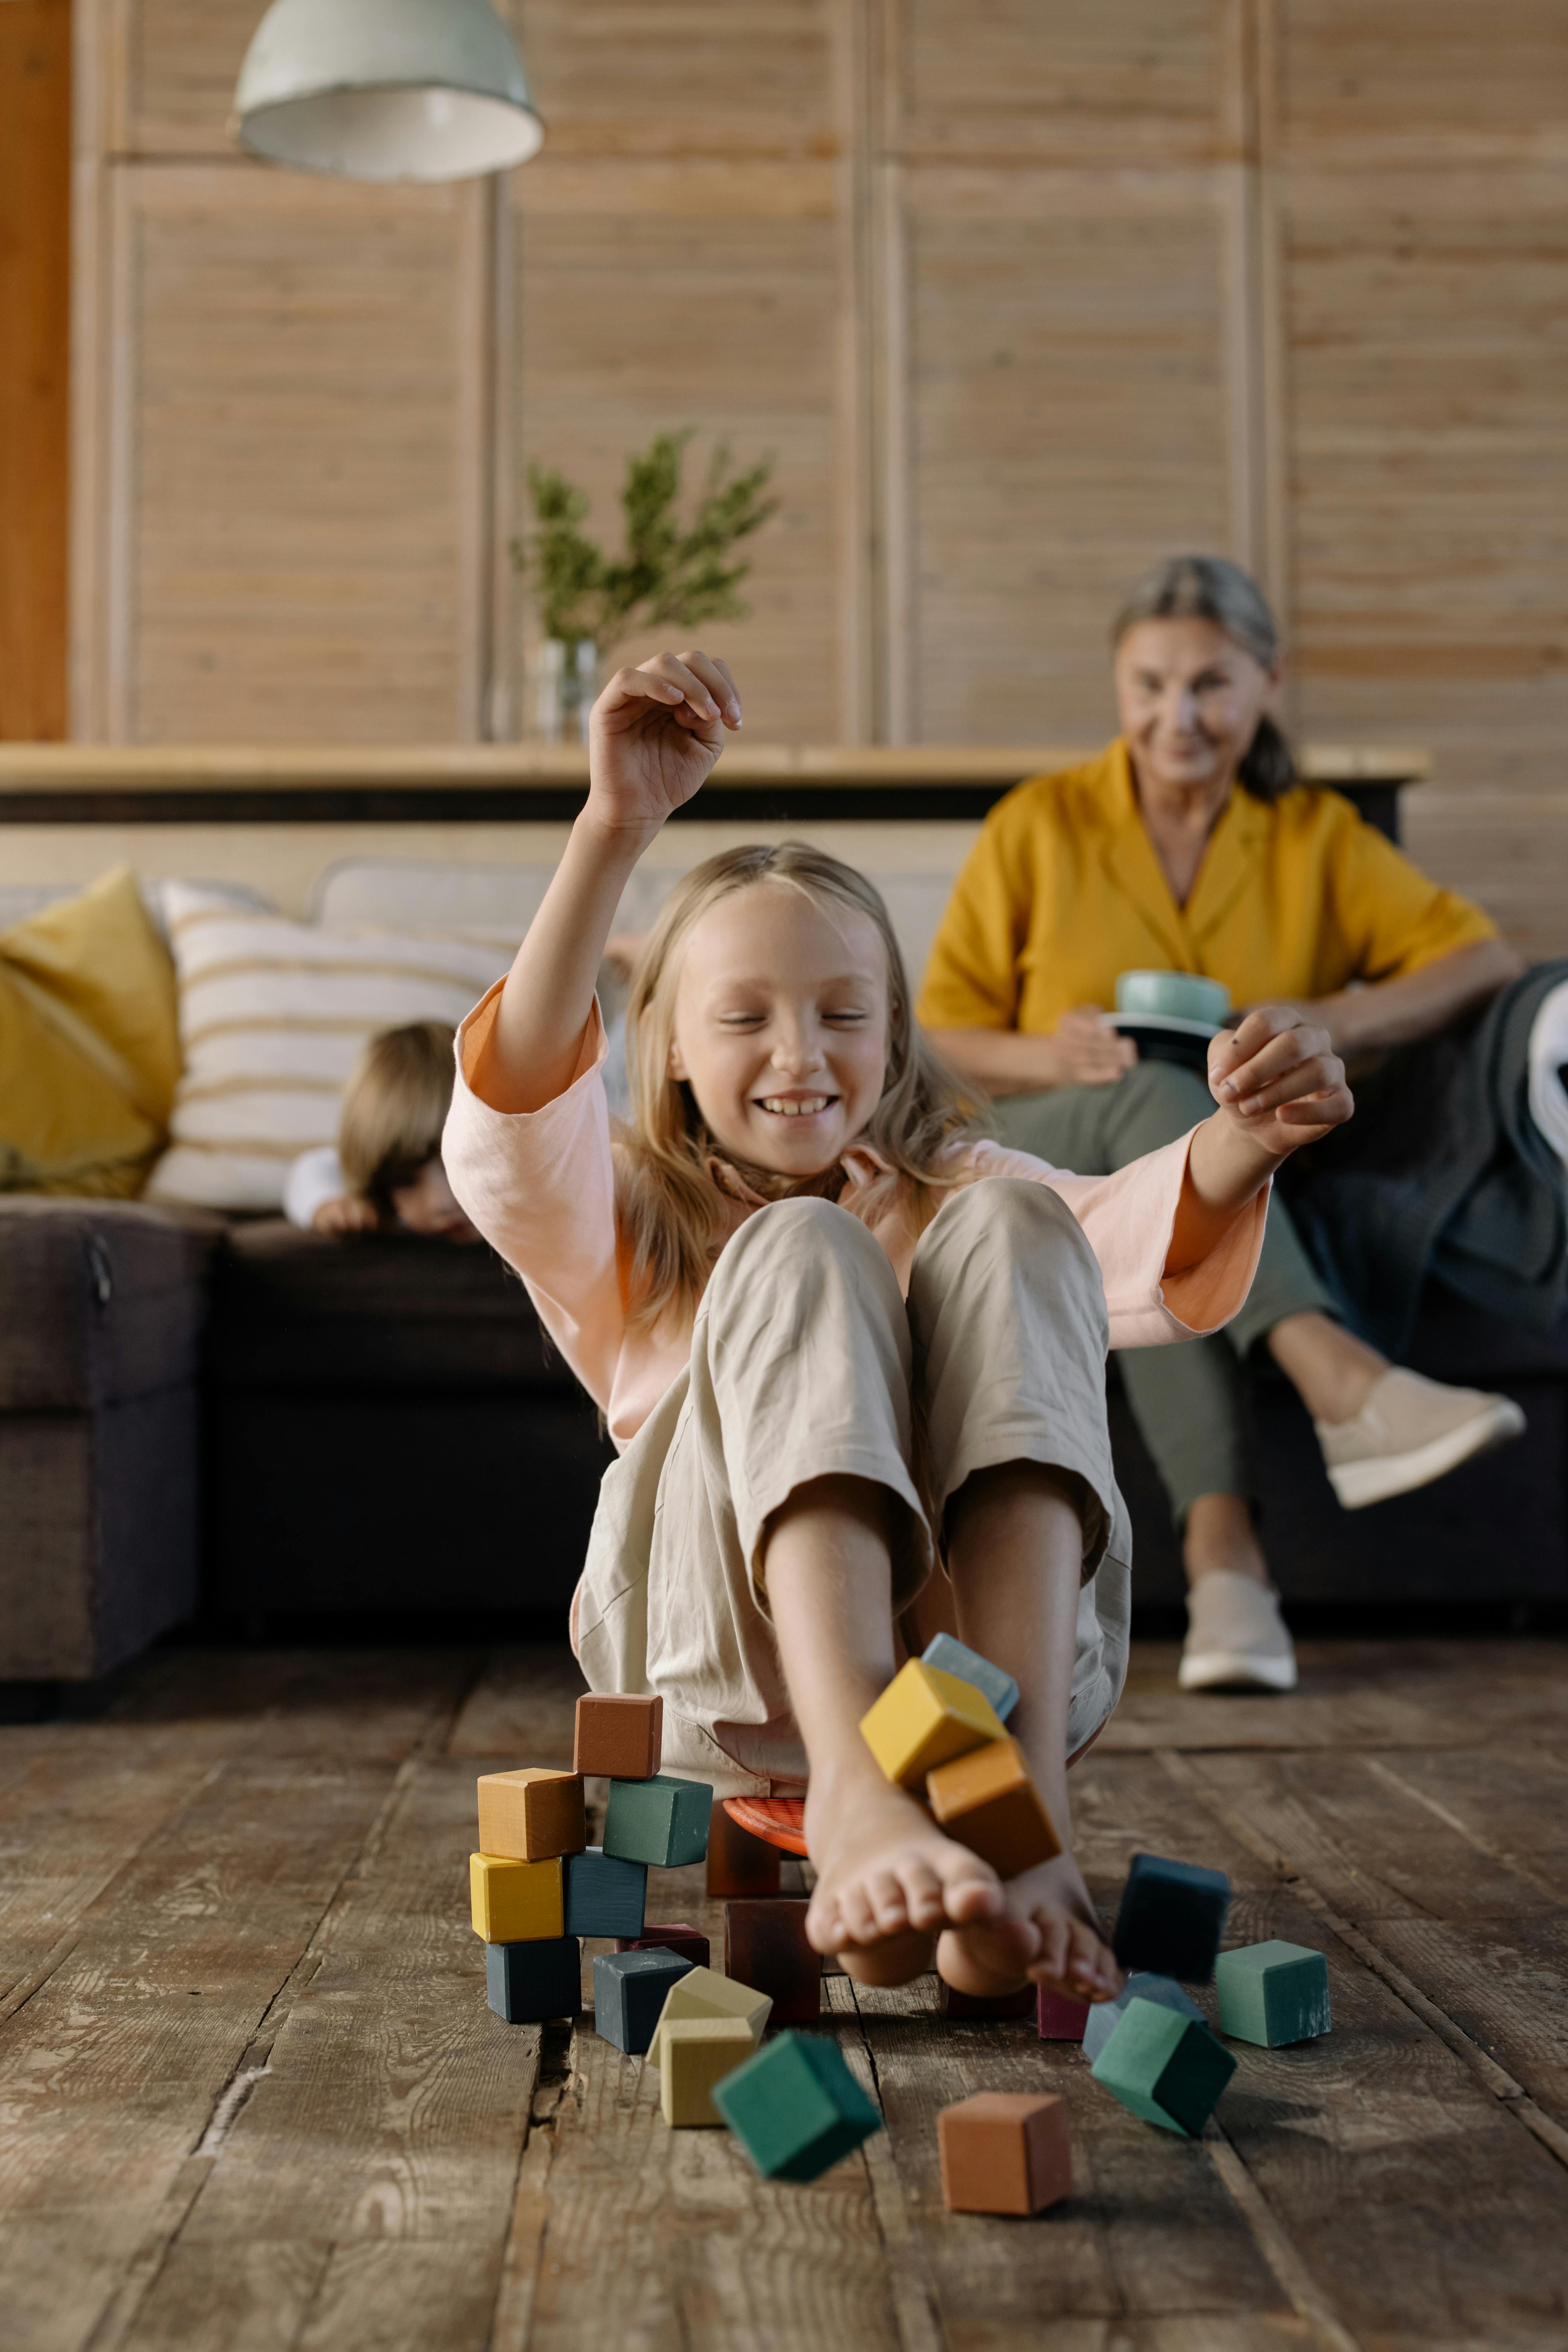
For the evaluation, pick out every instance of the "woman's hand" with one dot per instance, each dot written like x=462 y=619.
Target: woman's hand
x=1278 y=1079
x=653 y=738
x=1087 y=1052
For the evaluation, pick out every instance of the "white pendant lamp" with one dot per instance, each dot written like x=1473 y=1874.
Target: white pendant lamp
x=387 y=90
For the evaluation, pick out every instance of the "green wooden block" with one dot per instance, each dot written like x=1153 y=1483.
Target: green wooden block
x=1167 y=2068
x=796 y=2107
x=659 y=1820
x=1273 y=1993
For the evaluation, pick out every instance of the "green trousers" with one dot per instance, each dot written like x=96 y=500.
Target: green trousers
x=1189 y=1400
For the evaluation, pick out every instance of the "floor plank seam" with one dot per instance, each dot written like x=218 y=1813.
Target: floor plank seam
x=1311 y=2305
x=912 y=2290
x=1383 y=1770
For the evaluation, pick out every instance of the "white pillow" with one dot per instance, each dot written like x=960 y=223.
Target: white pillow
x=272 y=1014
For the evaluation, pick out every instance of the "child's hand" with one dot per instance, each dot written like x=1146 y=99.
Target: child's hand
x=1280 y=1079
x=348 y=1215
x=655 y=734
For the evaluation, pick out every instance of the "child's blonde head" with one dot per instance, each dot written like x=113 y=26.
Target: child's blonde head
x=393 y=1109
x=671 y=1211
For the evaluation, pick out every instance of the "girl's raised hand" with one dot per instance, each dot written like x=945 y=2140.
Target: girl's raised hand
x=653 y=738
x=1280 y=1079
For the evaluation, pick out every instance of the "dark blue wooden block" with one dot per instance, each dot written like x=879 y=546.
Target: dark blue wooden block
x=604 y=1894
x=1172 y=1918
x=527 y=1983
x=629 y=1993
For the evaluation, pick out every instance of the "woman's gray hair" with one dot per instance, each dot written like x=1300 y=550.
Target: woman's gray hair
x=1208 y=588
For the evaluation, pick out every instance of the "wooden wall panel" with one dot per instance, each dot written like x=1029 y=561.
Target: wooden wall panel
x=34 y=354
x=173 y=66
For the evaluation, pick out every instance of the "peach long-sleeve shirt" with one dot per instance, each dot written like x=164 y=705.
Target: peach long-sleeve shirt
x=540 y=1186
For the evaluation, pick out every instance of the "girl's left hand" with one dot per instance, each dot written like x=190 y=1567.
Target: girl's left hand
x=1278 y=1079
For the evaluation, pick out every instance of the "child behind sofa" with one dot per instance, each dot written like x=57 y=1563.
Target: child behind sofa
x=385 y=1173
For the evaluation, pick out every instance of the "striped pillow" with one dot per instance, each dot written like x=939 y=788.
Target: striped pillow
x=272 y=1014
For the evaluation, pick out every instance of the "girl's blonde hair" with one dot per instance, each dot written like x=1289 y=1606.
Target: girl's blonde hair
x=395 y=1106
x=671 y=1215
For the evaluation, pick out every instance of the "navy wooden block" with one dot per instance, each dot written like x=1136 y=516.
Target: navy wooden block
x=684 y=1942
x=629 y=1993
x=528 y=1983
x=1172 y=1918
x=604 y=1895
x=659 y=1820
x=1105 y=2016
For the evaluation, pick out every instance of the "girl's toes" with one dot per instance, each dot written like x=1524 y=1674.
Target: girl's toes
x=922 y=1894
x=1090 y=1966
x=888 y=1903
x=971 y=1889
x=856 y=1916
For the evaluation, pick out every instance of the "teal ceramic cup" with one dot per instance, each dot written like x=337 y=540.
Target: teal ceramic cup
x=1176 y=995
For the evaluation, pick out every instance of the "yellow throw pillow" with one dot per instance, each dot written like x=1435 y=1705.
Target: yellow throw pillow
x=89 y=1052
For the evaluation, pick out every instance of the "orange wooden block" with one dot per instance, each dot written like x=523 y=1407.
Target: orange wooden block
x=738 y=1863
x=532 y=1815
x=618 y=1735
x=987 y=1801
x=1004 y=2152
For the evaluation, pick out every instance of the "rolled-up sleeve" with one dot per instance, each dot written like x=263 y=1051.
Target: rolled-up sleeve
x=539 y=1187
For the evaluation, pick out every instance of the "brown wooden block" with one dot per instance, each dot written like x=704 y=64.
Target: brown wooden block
x=765 y=1945
x=685 y=1943
x=532 y=1816
x=988 y=1802
x=1004 y=2152
x=617 y=1736
x=738 y=1863
x=982 y=2005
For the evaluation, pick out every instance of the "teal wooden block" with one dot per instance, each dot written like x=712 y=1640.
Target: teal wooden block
x=661 y=1820
x=796 y=2107
x=1273 y=1993
x=1167 y=2068
x=954 y=1657
x=1106 y=2015
x=604 y=1894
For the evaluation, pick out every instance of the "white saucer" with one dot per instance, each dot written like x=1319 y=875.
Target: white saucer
x=1178 y=1024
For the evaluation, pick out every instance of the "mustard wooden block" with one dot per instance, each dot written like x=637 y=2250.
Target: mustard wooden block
x=988 y=1802
x=516 y=1902
x=703 y=1992
x=532 y=1815
x=923 y=1718
x=695 y=2052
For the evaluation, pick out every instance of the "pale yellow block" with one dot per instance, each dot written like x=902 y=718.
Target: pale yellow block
x=703 y=1992
x=696 y=2053
x=516 y=1902
x=924 y=1719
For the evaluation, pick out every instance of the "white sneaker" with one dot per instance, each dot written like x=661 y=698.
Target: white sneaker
x=1236 y=1639
x=1410 y=1431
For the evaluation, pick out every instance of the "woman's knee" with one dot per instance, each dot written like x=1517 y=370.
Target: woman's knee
x=1159 y=1101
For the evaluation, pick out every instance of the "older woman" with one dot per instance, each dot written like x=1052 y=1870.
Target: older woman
x=1188 y=846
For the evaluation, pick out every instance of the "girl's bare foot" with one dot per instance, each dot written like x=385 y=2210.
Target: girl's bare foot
x=1048 y=1933
x=886 y=1880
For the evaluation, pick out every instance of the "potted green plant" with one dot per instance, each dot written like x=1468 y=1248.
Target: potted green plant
x=672 y=575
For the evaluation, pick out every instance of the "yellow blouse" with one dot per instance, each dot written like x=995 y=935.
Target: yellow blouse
x=1064 y=890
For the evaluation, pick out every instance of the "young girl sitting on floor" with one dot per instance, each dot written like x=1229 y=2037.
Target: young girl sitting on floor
x=829 y=1353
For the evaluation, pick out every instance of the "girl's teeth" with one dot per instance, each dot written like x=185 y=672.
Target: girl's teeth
x=807 y=1109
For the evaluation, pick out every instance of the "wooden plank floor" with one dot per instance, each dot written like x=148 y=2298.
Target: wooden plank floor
x=251 y=2097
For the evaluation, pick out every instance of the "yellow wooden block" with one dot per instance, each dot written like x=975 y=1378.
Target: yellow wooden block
x=695 y=2052
x=516 y=1902
x=924 y=1719
x=703 y=1992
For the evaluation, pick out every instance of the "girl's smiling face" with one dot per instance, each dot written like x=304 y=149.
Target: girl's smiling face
x=780 y=1028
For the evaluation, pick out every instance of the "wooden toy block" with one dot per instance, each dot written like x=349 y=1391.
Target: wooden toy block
x=617 y=1736
x=515 y=1902
x=528 y=1983
x=685 y=1943
x=1172 y=1918
x=629 y=1990
x=1060 y=2018
x=945 y=1651
x=1167 y=2068
x=660 y=1821
x=604 y=1895
x=1004 y=2152
x=694 y=2054
x=703 y=1992
x=1273 y=1993
x=924 y=1719
x=982 y=2005
x=989 y=1802
x=765 y=1947
x=738 y=1863
x=532 y=1816
x=796 y=2107
x=1107 y=2015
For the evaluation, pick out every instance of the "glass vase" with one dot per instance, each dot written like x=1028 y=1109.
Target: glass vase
x=568 y=683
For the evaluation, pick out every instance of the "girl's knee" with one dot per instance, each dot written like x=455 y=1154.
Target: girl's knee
x=797 y=1238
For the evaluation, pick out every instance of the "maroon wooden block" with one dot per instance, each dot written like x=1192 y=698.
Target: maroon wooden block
x=1004 y=2152
x=765 y=1947
x=980 y=2004
x=618 y=1735
x=738 y=1863
x=1061 y=2020
x=685 y=1943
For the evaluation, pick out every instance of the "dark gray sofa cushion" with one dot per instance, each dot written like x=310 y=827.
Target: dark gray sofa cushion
x=103 y=1300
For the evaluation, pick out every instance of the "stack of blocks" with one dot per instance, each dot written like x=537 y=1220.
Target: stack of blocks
x=938 y=1726
x=532 y=1825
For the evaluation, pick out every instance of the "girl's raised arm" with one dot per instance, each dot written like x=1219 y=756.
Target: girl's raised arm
x=655 y=734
